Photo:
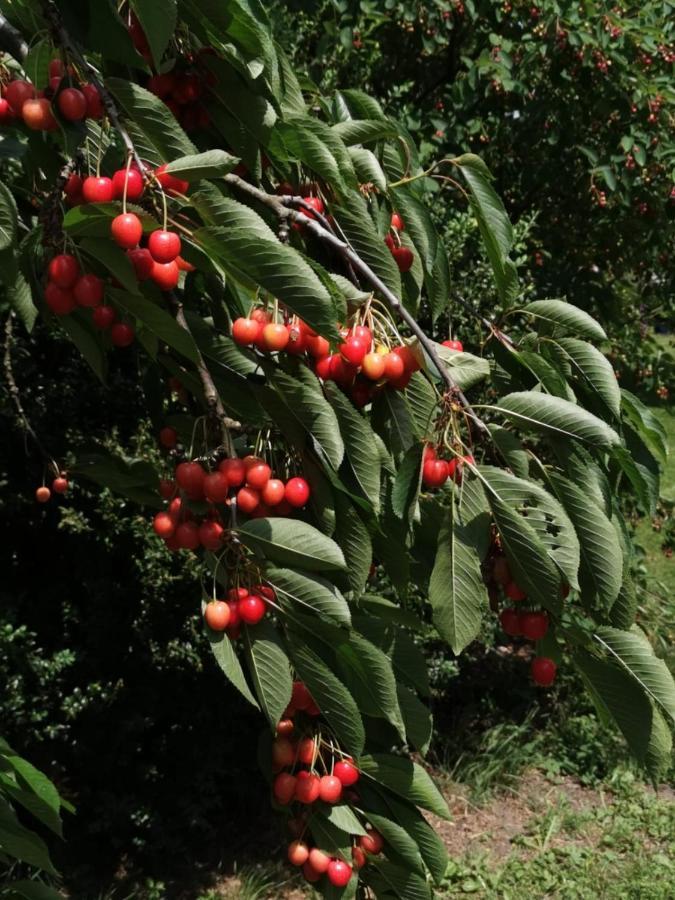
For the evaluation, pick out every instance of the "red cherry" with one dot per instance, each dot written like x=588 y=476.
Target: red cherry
x=103 y=317
x=363 y=334
x=187 y=536
x=361 y=393
x=216 y=487
x=297 y=340
x=283 y=753
x=306 y=751
x=285 y=727
x=319 y=860
x=167 y=488
x=126 y=230
x=162 y=85
x=435 y=473
x=134 y=182
x=122 y=334
x=339 y=872
x=307 y=788
x=261 y=315
x=534 y=625
x=301 y=697
x=322 y=367
x=72 y=104
x=347 y=772
x=258 y=475
x=59 y=300
x=168 y=437
x=275 y=336
x=234 y=470
x=63 y=270
x=372 y=842
x=297 y=492
x=429 y=453
x=190 y=478
x=406 y=353
x=456 y=467
x=175 y=508
x=513 y=592
x=164 y=246
x=37 y=115
x=211 y=535
x=248 y=499
x=397 y=222
x=454 y=345
x=358 y=858
x=394 y=366
x=543 y=670
x=97 y=190
x=245 y=331
x=60 y=485
x=310 y=873
x=330 y=789
x=341 y=371
x=510 y=620
x=42 y=494
x=142 y=262
x=235 y=618
x=298 y=853
x=165 y=275
x=94 y=101
x=88 y=290
x=237 y=593
x=170 y=183
x=354 y=349
x=273 y=492
x=252 y=609
x=7 y=114
x=217 y=615
x=389 y=241
x=373 y=366
x=284 y=788
x=16 y=94
x=403 y=257
x=73 y=186
x=318 y=346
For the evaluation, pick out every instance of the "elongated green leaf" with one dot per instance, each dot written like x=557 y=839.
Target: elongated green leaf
x=646 y=424
x=601 y=556
x=407 y=658
x=354 y=218
x=309 y=592
x=8 y=218
x=21 y=843
x=158 y=321
x=405 y=778
x=270 y=669
x=367 y=167
x=493 y=222
x=210 y=164
x=155 y=132
x=362 y=131
x=306 y=402
x=158 y=21
x=546 y=373
x=398 y=839
x=114 y=259
x=439 y=283
x=393 y=420
x=558 y=417
x=622 y=614
x=342 y=816
x=418 y=225
x=621 y=697
x=633 y=652
x=353 y=537
x=465 y=368
x=430 y=844
x=390 y=880
x=566 y=317
x=302 y=143
x=511 y=450
x=642 y=480
x=407 y=484
x=33 y=790
x=87 y=343
x=360 y=446
x=36 y=63
x=595 y=371
x=228 y=661
x=332 y=697
x=290 y=542
x=417 y=719
x=33 y=890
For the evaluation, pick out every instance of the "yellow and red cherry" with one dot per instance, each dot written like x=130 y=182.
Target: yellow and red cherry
x=126 y=230
x=217 y=615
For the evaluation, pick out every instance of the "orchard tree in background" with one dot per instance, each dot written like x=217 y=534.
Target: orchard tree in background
x=261 y=256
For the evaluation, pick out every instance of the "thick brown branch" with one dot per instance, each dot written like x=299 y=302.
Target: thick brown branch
x=343 y=249
x=11 y=41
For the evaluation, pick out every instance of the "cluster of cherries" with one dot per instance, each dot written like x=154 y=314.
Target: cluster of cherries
x=248 y=482
x=403 y=256
x=247 y=605
x=69 y=288
x=182 y=90
x=436 y=471
x=59 y=486
x=296 y=752
x=530 y=624
x=21 y=100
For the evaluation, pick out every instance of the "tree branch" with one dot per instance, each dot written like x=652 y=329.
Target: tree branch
x=62 y=38
x=343 y=249
x=11 y=41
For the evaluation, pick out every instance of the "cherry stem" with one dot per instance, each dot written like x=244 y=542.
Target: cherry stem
x=126 y=183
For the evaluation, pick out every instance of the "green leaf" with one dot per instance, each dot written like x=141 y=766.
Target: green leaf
x=510 y=449
x=601 y=556
x=406 y=657
x=158 y=21
x=427 y=839
x=245 y=246
x=133 y=478
x=367 y=167
x=33 y=790
x=92 y=220
x=360 y=446
x=388 y=879
x=249 y=111
x=393 y=420
x=555 y=416
x=641 y=479
x=354 y=539
x=465 y=368
x=301 y=142
x=418 y=224
x=342 y=817
x=457 y=592
x=21 y=843
x=619 y=696
x=151 y=125
x=398 y=839
x=647 y=425
x=270 y=669
x=407 y=484
x=386 y=611
x=570 y=319
x=114 y=259
x=417 y=719
x=290 y=542
x=493 y=222
x=309 y=592
x=87 y=343
x=8 y=218
x=228 y=661
x=36 y=63
x=407 y=779
x=634 y=653
x=332 y=697
x=158 y=321
x=33 y=890
x=210 y=164
x=362 y=131
x=353 y=216
x=595 y=371
x=439 y=284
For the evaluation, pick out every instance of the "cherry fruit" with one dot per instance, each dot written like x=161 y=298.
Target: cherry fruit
x=298 y=853
x=245 y=331
x=339 y=872
x=347 y=772
x=97 y=189
x=103 y=317
x=42 y=494
x=252 y=609
x=330 y=789
x=72 y=104
x=373 y=842
x=534 y=625
x=509 y=619
x=126 y=230
x=297 y=492
x=164 y=246
x=134 y=183
x=63 y=270
x=543 y=670
x=60 y=485
x=217 y=615
x=284 y=788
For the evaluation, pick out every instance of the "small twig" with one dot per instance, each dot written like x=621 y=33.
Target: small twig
x=496 y=332
x=53 y=16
